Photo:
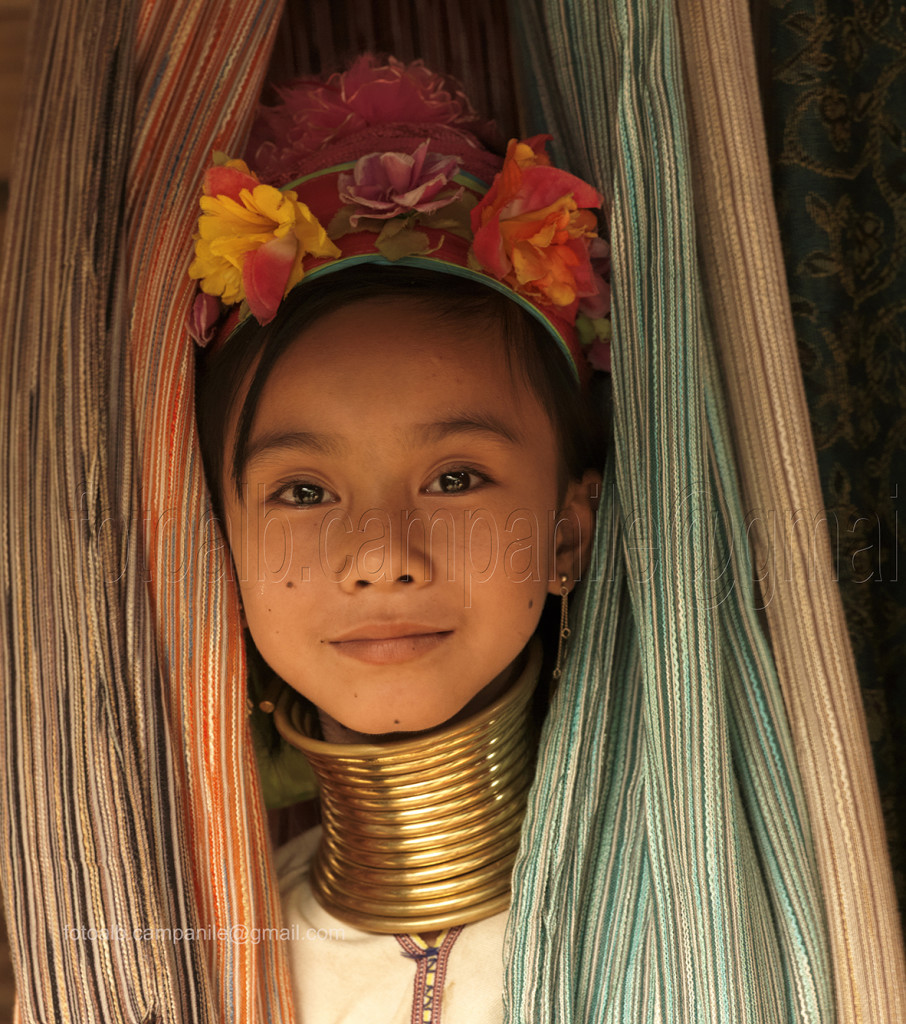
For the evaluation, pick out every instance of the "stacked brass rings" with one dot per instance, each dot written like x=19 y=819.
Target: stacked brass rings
x=421 y=834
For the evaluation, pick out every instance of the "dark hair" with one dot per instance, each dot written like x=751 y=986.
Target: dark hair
x=531 y=353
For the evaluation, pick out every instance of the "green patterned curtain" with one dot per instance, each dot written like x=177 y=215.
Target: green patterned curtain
x=835 y=90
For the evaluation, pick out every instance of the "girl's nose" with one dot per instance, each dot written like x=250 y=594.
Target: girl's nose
x=380 y=550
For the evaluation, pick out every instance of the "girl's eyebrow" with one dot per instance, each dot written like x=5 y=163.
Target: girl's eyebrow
x=327 y=444
x=293 y=440
x=469 y=423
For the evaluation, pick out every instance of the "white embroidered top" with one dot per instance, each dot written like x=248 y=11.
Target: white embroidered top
x=345 y=976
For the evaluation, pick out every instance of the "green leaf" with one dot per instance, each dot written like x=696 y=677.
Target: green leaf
x=341 y=224
x=455 y=218
x=404 y=242
x=392 y=228
x=286 y=775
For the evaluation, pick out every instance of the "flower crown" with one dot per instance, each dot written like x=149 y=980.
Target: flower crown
x=382 y=163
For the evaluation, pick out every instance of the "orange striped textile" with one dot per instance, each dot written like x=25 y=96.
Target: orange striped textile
x=202 y=66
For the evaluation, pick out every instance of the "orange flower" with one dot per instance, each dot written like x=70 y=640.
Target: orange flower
x=534 y=228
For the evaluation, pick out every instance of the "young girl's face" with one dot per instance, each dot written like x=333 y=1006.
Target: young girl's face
x=397 y=530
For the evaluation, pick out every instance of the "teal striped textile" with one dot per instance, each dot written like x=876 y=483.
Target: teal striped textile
x=667 y=871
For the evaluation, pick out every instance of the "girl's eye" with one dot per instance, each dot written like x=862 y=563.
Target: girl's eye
x=455 y=481
x=304 y=494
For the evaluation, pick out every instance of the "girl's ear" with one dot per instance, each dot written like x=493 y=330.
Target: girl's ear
x=575 y=529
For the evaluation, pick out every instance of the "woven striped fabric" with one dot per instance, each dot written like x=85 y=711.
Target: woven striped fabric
x=748 y=296
x=134 y=854
x=668 y=830
x=91 y=843
x=668 y=871
x=203 y=65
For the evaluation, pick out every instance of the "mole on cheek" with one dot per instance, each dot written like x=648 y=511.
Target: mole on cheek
x=531 y=604
x=290 y=584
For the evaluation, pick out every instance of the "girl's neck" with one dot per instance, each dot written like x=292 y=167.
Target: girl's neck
x=421 y=830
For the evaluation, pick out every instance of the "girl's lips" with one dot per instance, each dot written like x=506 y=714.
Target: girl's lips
x=390 y=650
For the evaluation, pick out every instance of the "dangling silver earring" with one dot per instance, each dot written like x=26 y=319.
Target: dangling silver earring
x=564 y=626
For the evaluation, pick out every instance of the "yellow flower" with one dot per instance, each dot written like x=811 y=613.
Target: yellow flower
x=252 y=240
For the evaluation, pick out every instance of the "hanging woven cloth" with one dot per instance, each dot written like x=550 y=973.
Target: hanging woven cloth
x=683 y=819
x=667 y=870
x=751 y=307
x=134 y=855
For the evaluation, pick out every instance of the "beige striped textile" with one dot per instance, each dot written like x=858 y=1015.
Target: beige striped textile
x=749 y=303
x=134 y=856
x=91 y=847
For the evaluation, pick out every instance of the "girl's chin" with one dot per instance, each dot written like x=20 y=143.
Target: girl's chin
x=404 y=716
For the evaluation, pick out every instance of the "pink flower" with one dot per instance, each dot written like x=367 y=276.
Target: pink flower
x=594 y=335
x=385 y=185
x=314 y=114
x=598 y=356
x=598 y=305
x=202 y=320
x=403 y=92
